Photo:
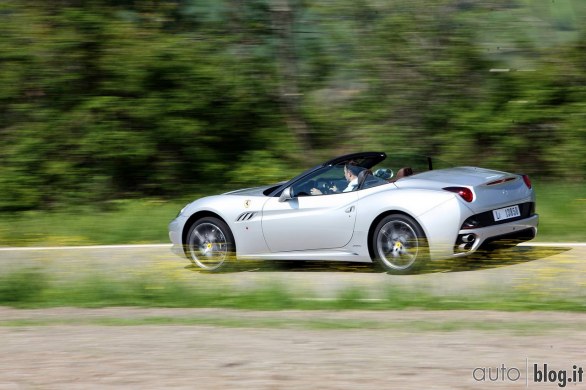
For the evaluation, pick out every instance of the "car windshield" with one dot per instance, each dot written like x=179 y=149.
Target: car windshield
x=328 y=179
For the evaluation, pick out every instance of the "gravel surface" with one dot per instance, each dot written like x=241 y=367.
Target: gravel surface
x=85 y=355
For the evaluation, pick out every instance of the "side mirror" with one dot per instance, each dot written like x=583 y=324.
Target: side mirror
x=286 y=195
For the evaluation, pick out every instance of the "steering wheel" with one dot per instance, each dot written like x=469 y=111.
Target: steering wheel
x=305 y=188
x=324 y=186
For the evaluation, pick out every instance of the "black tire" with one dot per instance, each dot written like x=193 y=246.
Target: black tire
x=399 y=245
x=210 y=244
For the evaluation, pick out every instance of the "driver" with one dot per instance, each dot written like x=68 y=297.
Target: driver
x=351 y=172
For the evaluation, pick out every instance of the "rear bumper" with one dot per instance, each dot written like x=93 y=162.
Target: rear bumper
x=518 y=231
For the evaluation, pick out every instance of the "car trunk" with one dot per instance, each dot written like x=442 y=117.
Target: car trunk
x=492 y=189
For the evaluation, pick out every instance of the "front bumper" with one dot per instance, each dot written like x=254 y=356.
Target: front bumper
x=175 y=235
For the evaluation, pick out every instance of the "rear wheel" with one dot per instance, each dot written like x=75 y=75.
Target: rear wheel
x=210 y=244
x=399 y=244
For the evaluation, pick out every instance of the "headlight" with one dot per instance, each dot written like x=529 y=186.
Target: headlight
x=182 y=210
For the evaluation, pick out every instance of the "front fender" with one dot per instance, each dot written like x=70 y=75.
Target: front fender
x=247 y=232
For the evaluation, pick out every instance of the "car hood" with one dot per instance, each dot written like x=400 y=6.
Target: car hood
x=255 y=191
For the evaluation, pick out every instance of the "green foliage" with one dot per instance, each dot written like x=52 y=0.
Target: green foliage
x=97 y=106
x=22 y=286
x=115 y=222
x=259 y=167
x=562 y=211
x=106 y=99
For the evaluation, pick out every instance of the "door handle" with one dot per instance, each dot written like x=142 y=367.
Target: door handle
x=350 y=209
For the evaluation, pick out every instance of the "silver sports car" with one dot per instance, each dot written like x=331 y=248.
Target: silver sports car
x=396 y=213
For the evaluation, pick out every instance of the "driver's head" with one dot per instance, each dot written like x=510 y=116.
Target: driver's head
x=351 y=171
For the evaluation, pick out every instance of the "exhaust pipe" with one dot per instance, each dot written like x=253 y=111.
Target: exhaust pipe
x=469 y=238
x=465 y=242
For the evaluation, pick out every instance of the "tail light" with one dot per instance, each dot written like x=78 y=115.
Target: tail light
x=500 y=181
x=464 y=192
x=527 y=181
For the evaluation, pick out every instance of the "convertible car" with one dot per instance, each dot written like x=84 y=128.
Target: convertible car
x=397 y=214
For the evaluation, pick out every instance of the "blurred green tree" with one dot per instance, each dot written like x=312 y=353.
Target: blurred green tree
x=105 y=99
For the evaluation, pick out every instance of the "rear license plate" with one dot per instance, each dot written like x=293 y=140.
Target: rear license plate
x=506 y=213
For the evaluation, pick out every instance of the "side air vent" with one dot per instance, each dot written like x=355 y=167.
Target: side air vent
x=245 y=217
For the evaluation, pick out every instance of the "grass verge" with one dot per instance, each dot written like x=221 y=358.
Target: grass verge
x=562 y=209
x=522 y=327
x=36 y=288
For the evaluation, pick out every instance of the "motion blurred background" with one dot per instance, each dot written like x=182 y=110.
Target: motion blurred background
x=102 y=100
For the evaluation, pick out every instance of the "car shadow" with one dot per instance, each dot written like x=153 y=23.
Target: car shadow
x=297 y=266
x=494 y=257
x=482 y=259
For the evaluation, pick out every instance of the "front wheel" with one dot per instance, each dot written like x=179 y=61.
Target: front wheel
x=210 y=244
x=399 y=244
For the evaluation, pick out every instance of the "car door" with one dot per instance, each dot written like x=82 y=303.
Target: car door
x=309 y=222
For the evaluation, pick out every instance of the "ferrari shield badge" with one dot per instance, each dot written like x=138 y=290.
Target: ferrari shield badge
x=247 y=203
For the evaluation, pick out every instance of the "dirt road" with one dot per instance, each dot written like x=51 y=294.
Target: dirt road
x=222 y=349
x=71 y=349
